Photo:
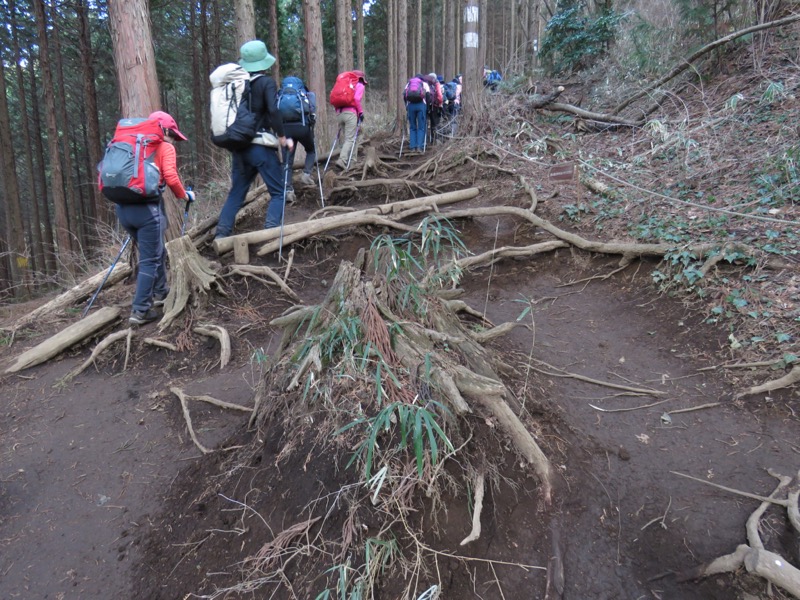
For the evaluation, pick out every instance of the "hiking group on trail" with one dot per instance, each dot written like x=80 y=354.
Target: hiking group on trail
x=259 y=124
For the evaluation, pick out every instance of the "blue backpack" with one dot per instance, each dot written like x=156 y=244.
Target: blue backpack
x=296 y=103
x=450 y=91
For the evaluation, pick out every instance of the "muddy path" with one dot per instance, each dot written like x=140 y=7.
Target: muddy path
x=103 y=494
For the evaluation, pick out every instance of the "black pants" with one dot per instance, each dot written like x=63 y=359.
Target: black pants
x=303 y=134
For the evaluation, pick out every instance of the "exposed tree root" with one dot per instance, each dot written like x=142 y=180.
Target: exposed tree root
x=184 y=400
x=221 y=334
x=102 y=346
x=192 y=277
x=461 y=379
x=160 y=344
x=753 y=556
x=480 y=482
x=255 y=272
x=787 y=380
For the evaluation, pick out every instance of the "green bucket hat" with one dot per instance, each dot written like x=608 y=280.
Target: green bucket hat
x=254 y=56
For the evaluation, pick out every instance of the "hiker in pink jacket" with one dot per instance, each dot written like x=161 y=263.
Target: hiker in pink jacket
x=349 y=118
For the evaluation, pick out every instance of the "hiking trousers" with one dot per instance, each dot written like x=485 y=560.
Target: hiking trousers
x=147 y=224
x=417 y=124
x=303 y=134
x=245 y=165
x=348 y=121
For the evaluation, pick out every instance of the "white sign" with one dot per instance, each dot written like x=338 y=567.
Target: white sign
x=471 y=14
x=470 y=39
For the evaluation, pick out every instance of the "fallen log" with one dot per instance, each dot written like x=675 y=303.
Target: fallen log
x=75 y=333
x=77 y=293
x=223 y=245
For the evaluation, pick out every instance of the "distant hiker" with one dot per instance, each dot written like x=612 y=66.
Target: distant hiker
x=417 y=96
x=298 y=108
x=346 y=97
x=435 y=108
x=450 y=95
x=491 y=78
x=260 y=157
x=146 y=222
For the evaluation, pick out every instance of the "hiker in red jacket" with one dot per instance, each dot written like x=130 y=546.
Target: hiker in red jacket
x=147 y=223
x=349 y=118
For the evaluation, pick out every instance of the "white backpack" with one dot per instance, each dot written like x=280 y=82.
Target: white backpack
x=230 y=84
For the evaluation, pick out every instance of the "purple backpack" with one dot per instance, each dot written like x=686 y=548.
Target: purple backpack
x=415 y=91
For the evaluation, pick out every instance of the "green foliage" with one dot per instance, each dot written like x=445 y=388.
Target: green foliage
x=418 y=426
x=573 y=38
x=356 y=583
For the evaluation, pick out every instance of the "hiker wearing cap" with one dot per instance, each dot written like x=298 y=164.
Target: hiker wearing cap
x=146 y=223
x=261 y=156
x=348 y=119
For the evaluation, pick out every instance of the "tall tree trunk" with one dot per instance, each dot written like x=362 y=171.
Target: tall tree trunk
x=421 y=65
x=472 y=67
x=76 y=221
x=39 y=262
x=391 y=57
x=245 y=21
x=39 y=177
x=315 y=74
x=216 y=38
x=512 y=35
x=63 y=234
x=402 y=57
x=274 y=39
x=101 y=209
x=134 y=57
x=344 y=58
x=450 y=39
x=459 y=19
x=532 y=47
x=483 y=49
x=15 y=231
x=198 y=87
x=360 y=35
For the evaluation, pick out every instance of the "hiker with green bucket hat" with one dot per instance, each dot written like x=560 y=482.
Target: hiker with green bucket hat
x=261 y=156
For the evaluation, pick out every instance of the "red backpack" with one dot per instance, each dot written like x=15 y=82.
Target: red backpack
x=343 y=94
x=128 y=173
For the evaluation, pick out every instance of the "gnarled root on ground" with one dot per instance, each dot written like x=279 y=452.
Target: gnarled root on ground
x=753 y=556
x=101 y=347
x=463 y=378
x=192 y=278
x=221 y=334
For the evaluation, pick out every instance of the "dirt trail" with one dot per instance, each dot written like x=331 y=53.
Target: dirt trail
x=85 y=467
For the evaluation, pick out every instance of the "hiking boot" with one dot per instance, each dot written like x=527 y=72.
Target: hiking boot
x=140 y=318
x=306 y=179
x=290 y=197
x=341 y=166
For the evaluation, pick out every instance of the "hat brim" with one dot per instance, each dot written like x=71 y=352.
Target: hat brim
x=178 y=135
x=259 y=65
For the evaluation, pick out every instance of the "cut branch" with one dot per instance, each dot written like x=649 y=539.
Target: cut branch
x=103 y=345
x=221 y=334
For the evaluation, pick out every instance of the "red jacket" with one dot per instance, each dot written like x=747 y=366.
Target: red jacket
x=166 y=161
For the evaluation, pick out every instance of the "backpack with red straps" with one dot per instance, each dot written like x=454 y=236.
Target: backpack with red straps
x=128 y=173
x=343 y=94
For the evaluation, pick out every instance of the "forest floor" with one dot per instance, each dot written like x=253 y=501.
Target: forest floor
x=103 y=493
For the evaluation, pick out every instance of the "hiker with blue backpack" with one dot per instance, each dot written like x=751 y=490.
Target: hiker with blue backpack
x=491 y=78
x=298 y=109
x=417 y=96
x=258 y=153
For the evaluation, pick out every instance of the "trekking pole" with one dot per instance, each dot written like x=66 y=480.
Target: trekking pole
x=102 y=283
x=186 y=212
x=353 y=147
x=319 y=177
x=331 y=152
x=283 y=210
x=402 y=141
